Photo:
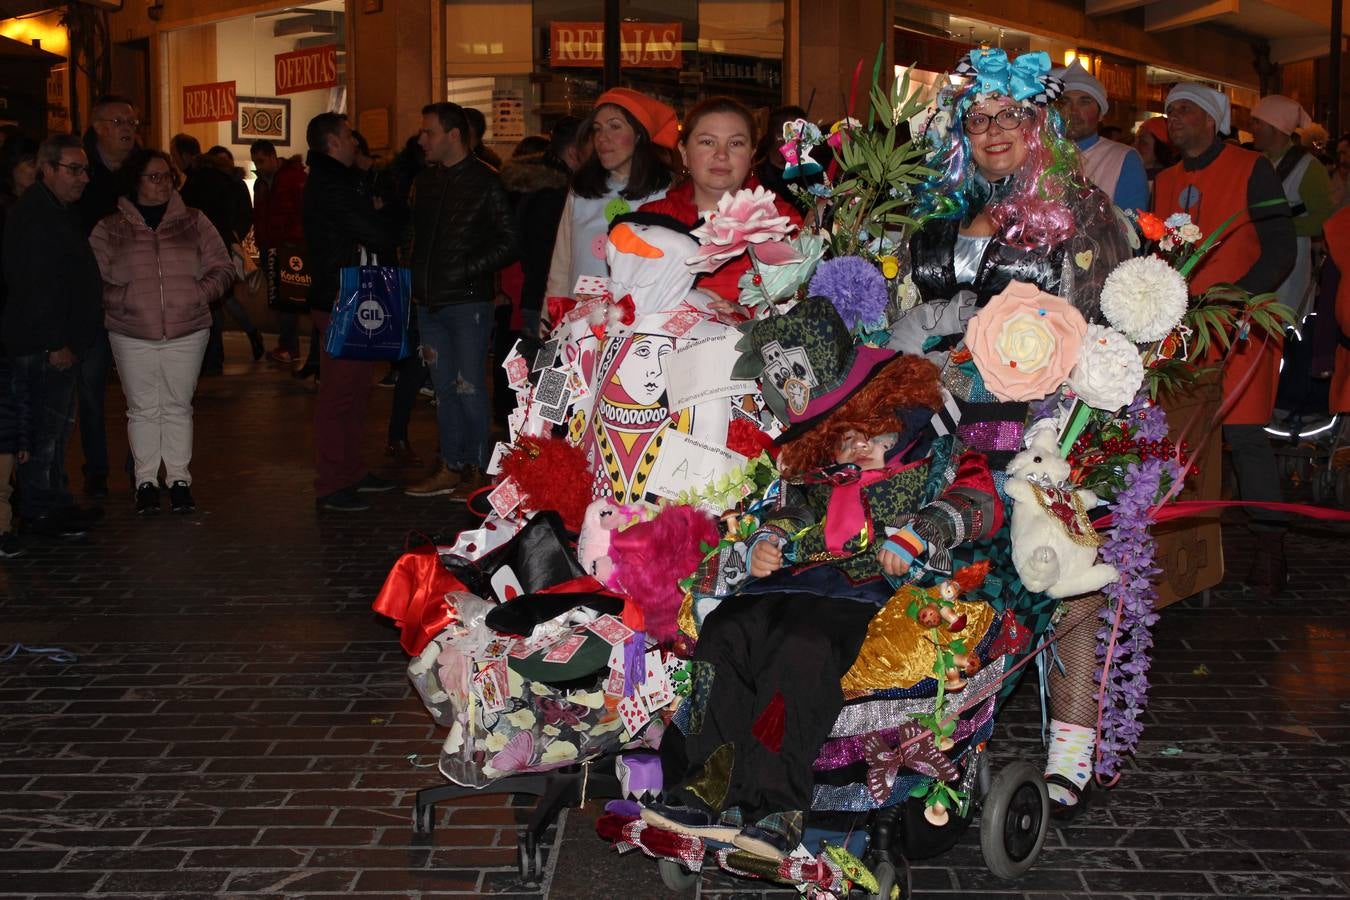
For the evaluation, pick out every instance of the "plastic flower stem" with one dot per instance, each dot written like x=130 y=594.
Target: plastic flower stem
x=1194 y=259
x=1077 y=421
x=876 y=80
x=754 y=263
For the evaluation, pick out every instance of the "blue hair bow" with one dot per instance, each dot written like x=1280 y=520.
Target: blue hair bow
x=1021 y=79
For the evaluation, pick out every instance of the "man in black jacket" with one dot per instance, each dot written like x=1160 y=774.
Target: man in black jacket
x=111 y=138
x=463 y=233
x=51 y=320
x=225 y=201
x=339 y=220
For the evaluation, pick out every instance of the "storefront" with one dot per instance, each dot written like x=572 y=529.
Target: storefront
x=527 y=63
x=235 y=80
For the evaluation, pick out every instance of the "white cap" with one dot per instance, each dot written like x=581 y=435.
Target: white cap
x=1077 y=78
x=1208 y=99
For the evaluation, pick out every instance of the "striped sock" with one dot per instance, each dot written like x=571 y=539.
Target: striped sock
x=1070 y=756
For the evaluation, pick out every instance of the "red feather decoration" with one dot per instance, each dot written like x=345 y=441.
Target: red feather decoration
x=551 y=474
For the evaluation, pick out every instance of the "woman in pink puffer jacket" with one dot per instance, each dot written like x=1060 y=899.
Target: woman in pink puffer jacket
x=163 y=264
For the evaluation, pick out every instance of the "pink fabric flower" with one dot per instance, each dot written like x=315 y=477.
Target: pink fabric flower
x=1025 y=342
x=743 y=220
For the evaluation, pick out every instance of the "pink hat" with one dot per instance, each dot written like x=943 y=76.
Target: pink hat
x=1281 y=113
x=660 y=121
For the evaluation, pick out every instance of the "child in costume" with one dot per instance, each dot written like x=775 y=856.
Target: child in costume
x=862 y=479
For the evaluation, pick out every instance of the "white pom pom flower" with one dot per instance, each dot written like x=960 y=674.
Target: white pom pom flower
x=1109 y=371
x=1144 y=299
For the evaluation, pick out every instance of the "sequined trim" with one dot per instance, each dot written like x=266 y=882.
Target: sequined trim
x=873 y=715
x=991 y=435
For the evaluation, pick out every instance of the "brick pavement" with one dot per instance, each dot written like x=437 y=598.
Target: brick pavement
x=238 y=722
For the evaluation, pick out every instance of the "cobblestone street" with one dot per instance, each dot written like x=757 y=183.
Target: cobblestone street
x=238 y=722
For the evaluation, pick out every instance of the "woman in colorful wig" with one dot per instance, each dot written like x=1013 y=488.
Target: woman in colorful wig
x=1011 y=203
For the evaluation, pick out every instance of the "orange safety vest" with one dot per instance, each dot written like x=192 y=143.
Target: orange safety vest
x=1336 y=230
x=1211 y=195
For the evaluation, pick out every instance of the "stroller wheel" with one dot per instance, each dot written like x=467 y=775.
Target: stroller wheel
x=1013 y=823
x=885 y=874
x=675 y=876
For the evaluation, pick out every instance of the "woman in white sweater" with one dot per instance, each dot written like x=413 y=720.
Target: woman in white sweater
x=626 y=167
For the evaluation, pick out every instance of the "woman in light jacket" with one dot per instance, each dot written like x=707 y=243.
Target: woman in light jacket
x=630 y=136
x=163 y=264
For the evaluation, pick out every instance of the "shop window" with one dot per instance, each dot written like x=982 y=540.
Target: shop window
x=266 y=75
x=544 y=58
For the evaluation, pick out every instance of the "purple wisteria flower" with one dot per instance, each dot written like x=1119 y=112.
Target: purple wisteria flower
x=1129 y=613
x=855 y=287
x=1147 y=419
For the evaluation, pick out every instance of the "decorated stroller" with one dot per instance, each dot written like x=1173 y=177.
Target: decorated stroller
x=556 y=675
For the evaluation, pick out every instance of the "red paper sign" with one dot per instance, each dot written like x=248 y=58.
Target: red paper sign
x=306 y=70
x=642 y=45
x=208 y=102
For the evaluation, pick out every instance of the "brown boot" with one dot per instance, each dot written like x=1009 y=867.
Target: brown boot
x=471 y=479
x=1270 y=572
x=442 y=480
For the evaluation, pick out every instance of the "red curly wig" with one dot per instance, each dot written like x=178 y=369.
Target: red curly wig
x=908 y=381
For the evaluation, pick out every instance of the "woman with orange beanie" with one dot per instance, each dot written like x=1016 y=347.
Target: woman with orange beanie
x=629 y=135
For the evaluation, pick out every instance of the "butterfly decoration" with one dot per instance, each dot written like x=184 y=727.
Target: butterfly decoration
x=517 y=755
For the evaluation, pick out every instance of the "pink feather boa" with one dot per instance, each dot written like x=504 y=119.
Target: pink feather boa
x=651 y=557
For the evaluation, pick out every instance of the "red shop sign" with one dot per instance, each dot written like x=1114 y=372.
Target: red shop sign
x=642 y=45
x=307 y=70
x=208 y=102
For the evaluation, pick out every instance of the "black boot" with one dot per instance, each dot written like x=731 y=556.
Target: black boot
x=256 y=342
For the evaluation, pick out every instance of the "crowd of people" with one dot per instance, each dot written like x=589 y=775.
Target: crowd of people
x=487 y=242
x=119 y=254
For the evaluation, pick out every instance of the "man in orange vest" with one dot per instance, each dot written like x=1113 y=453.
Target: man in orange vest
x=1213 y=181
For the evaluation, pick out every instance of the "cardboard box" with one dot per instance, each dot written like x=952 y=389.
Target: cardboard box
x=1190 y=550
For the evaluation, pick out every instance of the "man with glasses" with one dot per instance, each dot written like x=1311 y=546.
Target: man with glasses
x=51 y=319
x=1112 y=166
x=108 y=142
x=1213 y=181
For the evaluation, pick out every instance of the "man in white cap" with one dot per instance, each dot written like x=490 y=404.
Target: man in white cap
x=1114 y=167
x=1213 y=181
x=1305 y=181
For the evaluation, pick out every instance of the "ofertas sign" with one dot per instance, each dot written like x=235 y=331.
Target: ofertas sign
x=208 y=102
x=307 y=70
x=642 y=45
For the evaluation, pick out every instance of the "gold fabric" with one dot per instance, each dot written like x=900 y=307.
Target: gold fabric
x=899 y=653
x=684 y=619
x=712 y=783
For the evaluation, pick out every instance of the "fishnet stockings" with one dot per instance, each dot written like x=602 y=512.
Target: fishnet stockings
x=1073 y=693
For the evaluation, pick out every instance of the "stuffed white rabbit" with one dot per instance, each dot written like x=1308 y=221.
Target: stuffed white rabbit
x=1054 y=549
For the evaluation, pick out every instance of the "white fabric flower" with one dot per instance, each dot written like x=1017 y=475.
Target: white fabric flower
x=1109 y=371
x=1144 y=299
x=1189 y=233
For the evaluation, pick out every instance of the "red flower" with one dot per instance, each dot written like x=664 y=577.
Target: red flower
x=746 y=439
x=1152 y=226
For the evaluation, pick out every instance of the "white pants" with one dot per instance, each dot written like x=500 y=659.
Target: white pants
x=159 y=379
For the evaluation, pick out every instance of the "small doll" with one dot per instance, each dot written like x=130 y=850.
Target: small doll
x=863 y=500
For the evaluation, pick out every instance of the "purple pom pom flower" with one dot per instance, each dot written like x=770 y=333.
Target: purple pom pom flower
x=855 y=287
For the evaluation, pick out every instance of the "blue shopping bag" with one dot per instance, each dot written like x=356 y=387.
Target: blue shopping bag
x=370 y=318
